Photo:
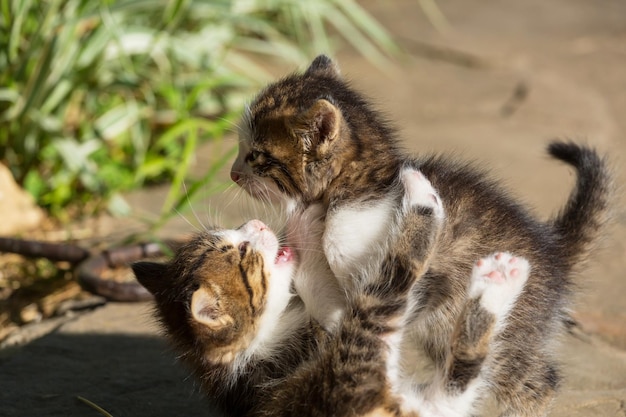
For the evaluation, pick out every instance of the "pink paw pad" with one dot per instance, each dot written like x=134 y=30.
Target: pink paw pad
x=498 y=279
x=495 y=276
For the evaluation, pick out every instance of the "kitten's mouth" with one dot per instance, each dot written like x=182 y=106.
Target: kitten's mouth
x=284 y=255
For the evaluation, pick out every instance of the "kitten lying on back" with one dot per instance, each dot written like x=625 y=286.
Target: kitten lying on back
x=311 y=139
x=225 y=303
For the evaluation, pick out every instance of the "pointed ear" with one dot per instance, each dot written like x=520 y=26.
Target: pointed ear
x=206 y=309
x=319 y=125
x=151 y=275
x=323 y=65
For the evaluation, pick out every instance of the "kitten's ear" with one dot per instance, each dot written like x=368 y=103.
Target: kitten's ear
x=206 y=309
x=323 y=65
x=151 y=275
x=321 y=123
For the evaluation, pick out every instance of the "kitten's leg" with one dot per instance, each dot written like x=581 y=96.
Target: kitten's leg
x=529 y=394
x=314 y=282
x=419 y=194
x=422 y=217
x=496 y=283
x=522 y=372
x=526 y=376
x=380 y=302
x=418 y=225
x=532 y=395
x=411 y=241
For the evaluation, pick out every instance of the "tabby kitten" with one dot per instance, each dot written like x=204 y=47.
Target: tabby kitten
x=225 y=302
x=311 y=139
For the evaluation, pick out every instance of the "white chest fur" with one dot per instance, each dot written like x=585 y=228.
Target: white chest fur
x=354 y=236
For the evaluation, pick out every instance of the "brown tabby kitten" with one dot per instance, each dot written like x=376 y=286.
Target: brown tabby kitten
x=225 y=302
x=312 y=139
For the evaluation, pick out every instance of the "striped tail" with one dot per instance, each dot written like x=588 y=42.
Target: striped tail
x=579 y=224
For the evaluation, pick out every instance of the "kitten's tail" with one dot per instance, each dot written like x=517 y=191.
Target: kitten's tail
x=582 y=220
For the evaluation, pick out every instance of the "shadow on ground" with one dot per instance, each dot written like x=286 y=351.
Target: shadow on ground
x=127 y=375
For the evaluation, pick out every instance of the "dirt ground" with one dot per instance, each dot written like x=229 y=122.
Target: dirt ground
x=495 y=86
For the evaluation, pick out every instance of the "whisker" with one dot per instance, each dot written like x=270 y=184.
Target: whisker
x=182 y=216
x=193 y=211
x=210 y=224
x=234 y=126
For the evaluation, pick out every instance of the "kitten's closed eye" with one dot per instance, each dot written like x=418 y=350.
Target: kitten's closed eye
x=243 y=248
x=253 y=156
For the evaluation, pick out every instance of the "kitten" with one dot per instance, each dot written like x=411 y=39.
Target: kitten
x=311 y=139
x=225 y=302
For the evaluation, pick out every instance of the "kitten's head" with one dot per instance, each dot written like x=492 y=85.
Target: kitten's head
x=300 y=133
x=220 y=290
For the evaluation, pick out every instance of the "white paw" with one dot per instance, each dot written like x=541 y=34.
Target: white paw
x=498 y=280
x=440 y=407
x=420 y=192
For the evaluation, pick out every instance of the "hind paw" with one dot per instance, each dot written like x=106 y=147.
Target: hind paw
x=498 y=280
x=420 y=192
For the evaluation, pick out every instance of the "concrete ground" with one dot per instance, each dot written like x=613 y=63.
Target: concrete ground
x=496 y=86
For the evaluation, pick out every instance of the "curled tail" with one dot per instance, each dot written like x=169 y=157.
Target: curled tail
x=582 y=220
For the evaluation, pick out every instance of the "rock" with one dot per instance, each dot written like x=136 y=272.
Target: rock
x=17 y=208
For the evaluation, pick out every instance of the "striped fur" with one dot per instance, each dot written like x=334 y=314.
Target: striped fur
x=312 y=139
x=225 y=303
x=219 y=301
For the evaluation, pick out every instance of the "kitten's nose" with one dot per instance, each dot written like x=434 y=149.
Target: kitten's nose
x=256 y=225
x=234 y=175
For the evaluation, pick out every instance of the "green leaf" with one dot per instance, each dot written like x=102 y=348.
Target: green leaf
x=75 y=154
x=117 y=206
x=118 y=120
x=9 y=95
x=34 y=184
x=100 y=97
x=59 y=93
x=179 y=177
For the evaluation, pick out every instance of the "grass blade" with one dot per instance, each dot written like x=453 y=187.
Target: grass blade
x=94 y=406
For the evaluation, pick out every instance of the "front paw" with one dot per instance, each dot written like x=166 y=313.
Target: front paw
x=419 y=193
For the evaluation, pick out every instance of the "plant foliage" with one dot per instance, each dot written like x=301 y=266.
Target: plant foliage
x=99 y=97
